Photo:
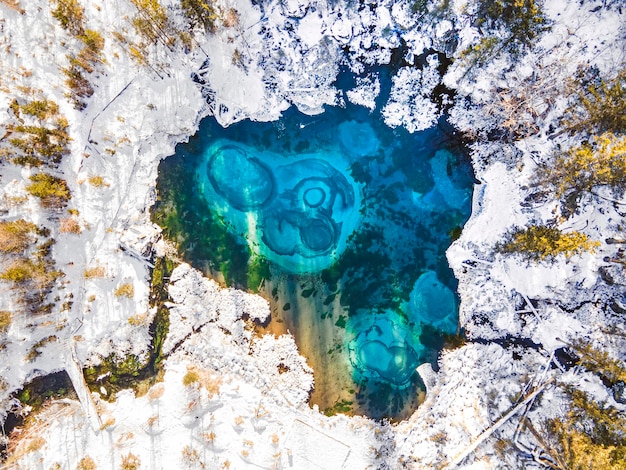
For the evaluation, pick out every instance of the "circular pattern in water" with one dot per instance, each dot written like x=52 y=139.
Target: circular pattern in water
x=244 y=182
x=298 y=213
x=383 y=348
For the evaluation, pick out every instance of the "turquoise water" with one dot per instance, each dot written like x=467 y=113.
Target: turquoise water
x=343 y=224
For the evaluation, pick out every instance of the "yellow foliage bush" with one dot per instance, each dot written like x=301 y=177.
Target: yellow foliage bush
x=41 y=109
x=70 y=14
x=599 y=163
x=97 y=181
x=599 y=105
x=86 y=463
x=5 y=320
x=52 y=191
x=539 y=242
x=190 y=377
x=151 y=21
x=591 y=436
x=23 y=270
x=130 y=462
x=125 y=290
x=94 y=272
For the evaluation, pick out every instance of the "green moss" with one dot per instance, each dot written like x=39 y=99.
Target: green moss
x=341 y=406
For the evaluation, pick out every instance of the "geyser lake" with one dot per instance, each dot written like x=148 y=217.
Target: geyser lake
x=342 y=223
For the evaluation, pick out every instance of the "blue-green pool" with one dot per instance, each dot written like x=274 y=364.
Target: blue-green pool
x=342 y=223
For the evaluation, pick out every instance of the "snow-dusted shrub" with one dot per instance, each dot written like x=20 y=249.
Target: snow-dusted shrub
x=86 y=463
x=126 y=289
x=51 y=190
x=540 y=242
x=16 y=236
x=70 y=15
x=599 y=105
x=130 y=462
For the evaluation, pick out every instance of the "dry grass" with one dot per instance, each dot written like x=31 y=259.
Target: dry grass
x=94 y=272
x=5 y=320
x=130 y=462
x=86 y=463
x=70 y=225
x=107 y=423
x=231 y=18
x=210 y=382
x=138 y=320
x=126 y=289
x=35 y=444
x=16 y=236
x=98 y=182
x=156 y=392
x=14 y=5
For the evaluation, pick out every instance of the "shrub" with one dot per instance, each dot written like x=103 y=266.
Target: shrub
x=599 y=104
x=94 y=272
x=125 y=290
x=200 y=13
x=591 y=435
x=130 y=462
x=86 y=463
x=97 y=181
x=16 y=236
x=5 y=320
x=70 y=14
x=70 y=225
x=540 y=242
x=521 y=20
x=41 y=109
x=22 y=270
x=52 y=191
x=601 y=162
x=191 y=377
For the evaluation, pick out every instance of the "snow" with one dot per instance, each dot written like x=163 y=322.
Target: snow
x=409 y=103
x=249 y=405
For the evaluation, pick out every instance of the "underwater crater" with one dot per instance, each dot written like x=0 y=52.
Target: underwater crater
x=342 y=223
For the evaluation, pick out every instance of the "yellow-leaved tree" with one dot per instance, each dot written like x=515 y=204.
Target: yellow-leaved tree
x=601 y=162
x=541 y=242
x=592 y=434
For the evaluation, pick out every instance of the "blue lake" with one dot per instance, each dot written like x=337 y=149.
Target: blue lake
x=342 y=223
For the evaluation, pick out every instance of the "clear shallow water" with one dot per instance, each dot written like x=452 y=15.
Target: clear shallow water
x=342 y=223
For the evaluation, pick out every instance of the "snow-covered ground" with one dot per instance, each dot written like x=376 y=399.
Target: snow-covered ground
x=228 y=397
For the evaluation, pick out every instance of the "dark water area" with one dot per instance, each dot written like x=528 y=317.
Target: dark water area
x=342 y=223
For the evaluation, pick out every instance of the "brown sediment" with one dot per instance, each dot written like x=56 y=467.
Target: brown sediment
x=318 y=339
